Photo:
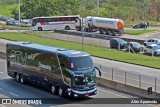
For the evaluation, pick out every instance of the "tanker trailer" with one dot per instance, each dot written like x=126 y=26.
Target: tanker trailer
x=108 y=26
x=78 y=23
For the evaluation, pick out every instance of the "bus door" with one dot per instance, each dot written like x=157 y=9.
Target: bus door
x=66 y=74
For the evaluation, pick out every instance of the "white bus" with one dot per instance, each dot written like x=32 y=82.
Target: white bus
x=54 y=22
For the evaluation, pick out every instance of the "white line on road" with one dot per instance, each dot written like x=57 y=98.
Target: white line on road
x=112 y=93
x=2 y=105
x=122 y=96
x=1 y=72
x=13 y=94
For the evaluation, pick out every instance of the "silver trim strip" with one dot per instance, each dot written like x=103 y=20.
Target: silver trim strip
x=84 y=92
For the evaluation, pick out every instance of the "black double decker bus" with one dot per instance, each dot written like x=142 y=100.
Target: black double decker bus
x=63 y=71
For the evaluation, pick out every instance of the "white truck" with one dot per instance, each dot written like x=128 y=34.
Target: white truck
x=108 y=26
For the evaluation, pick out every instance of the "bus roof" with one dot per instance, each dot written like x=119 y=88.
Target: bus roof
x=56 y=16
x=59 y=50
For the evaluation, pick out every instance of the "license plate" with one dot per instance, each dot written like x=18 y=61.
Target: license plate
x=86 y=95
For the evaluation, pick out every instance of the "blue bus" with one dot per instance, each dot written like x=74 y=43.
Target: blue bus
x=60 y=70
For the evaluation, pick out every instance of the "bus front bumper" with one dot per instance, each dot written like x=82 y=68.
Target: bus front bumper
x=76 y=93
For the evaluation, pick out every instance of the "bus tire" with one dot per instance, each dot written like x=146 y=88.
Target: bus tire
x=60 y=91
x=67 y=28
x=22 y=79
x=17 y=77
x=53 y=89
x=40 y=29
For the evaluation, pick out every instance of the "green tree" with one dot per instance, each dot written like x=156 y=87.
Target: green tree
x=14 y=12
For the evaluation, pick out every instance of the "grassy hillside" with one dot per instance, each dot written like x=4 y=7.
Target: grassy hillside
x=132 y=11
x=6 y=9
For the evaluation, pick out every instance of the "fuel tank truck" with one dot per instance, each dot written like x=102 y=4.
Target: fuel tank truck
x=107 y=26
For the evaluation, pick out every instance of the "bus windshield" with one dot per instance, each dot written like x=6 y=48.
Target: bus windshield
x=81 y=63
x=85 y=80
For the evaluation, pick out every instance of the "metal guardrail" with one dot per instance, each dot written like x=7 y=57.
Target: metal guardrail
x=138 y=80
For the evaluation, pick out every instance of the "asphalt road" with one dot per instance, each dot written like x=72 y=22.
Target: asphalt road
x=9 y=88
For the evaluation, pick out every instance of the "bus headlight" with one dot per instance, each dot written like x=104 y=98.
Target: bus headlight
x=75 y=95
x=68 y=89
x=69 y=93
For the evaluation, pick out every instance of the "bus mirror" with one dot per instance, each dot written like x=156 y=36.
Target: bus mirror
x=98 y=71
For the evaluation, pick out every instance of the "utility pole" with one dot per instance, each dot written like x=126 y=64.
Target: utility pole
x=98 y=8
x=19 y=16
x=82 y=25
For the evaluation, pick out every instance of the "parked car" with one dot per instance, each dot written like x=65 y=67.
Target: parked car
x=3 y=18
x=16 y=22
x=152 y=41
x=25 y=23
x=152 y=49
x=140 y=25
x=134 y=47
x=117 y=43
x=10 y=21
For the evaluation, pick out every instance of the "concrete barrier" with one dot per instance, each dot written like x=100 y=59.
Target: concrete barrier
x=126 y=88
x=94 y=35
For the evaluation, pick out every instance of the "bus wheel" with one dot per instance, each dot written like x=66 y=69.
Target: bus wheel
x=22 y=79
x=53 y=89
x=17 y=78
x=40 y=29
x=67 y=27
x=60 y=91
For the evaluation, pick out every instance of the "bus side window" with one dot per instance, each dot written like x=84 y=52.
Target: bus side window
x=63 y=61
x=67 y=76
x=48 y=59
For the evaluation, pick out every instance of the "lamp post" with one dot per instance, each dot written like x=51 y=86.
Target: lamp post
x=98 y=8
x=82 y=25
x=19 y=15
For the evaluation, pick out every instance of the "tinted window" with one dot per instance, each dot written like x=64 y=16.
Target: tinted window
x=67 y=77
x=34 y=22
x=120 y=40
x=63 y=61
x=87 y=79
x=47 y=59
x=81 y=63
x=40 y=20
x=149 y=41
x=135 y=44
x=156 y=47
x=149 y=47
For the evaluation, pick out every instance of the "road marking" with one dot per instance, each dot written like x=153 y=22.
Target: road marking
x=112 y=93
x=2 y=105
x=125 y=97
x=1 y=72
x=13 y=94
x=153 y=105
